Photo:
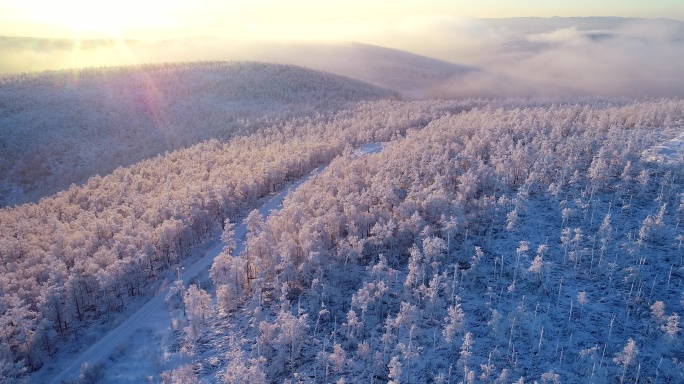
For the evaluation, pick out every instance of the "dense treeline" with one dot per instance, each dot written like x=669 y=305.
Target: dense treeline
x=61 y=127
x=535 y=241
x=84 y=252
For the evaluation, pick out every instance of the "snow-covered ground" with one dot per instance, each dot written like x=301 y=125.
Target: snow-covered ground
x=133 y=351
x=670 y=152
x=369 y=149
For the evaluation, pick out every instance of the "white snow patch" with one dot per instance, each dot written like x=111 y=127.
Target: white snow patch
x=369 y=149
x=669 y=152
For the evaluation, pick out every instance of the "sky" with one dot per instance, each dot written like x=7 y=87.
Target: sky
x=277 y=19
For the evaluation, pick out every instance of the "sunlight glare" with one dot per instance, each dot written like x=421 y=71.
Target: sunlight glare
x=97 y=19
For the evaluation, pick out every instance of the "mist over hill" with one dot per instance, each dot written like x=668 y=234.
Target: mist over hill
x=413 y=76
x=461 y=57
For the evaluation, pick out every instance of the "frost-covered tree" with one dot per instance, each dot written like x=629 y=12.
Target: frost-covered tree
x=658 y=310
x=453 y=323
x=395 y=370
x=197 y=304
x=550 y=377
x=239 y=368
x=434 y=250
x=183 y=374
x=671 y=327
x=338 y=358
x=626 y=357
x=281 y=341
x=466 y=353
x=175 y=298
x=416 y=270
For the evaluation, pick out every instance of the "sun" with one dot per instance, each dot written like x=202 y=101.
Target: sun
x=106 y=19
x=87 y=18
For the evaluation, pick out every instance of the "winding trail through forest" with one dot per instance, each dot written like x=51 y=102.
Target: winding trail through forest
x=154 y=313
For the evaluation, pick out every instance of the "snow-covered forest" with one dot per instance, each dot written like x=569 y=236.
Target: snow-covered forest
x=533 y=242
x=490 y=240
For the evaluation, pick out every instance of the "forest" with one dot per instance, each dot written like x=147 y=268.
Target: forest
x=515 y=244
x=490 y=240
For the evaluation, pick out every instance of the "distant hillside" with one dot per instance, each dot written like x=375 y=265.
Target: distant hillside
x=414 y=76
x=58 y=128
x=19 y=43
x=27 y=54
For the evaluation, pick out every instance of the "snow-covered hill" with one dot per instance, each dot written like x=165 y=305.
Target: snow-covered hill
x=59 y=128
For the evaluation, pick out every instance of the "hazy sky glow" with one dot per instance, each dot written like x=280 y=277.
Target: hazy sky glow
x=295 y=19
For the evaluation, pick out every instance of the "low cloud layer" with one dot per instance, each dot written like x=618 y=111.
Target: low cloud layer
x=490 y=57
x=557 y=56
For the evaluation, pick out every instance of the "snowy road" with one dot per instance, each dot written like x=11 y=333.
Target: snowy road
x=154 y=313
